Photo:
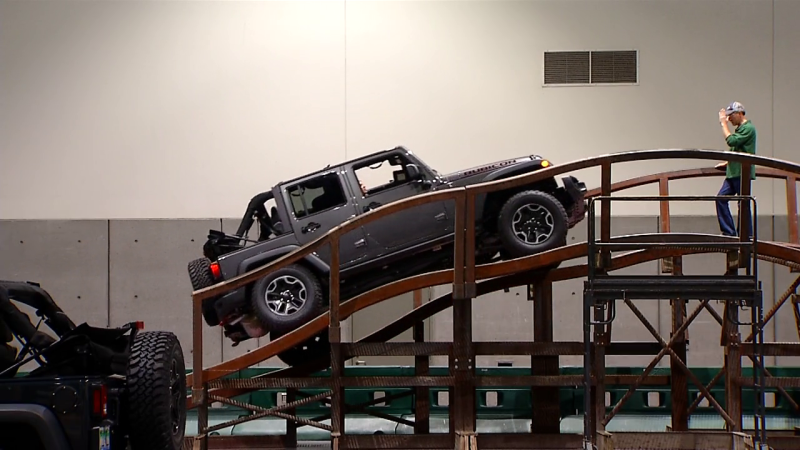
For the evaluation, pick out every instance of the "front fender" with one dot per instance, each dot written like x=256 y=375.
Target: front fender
x=516 y=169
x=505 y=172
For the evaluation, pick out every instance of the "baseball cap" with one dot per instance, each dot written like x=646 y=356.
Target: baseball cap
x=734 y=107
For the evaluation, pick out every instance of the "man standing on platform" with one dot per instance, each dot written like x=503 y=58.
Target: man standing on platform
x=743 y=140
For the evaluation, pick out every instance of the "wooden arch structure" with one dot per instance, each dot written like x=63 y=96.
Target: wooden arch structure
x=468 y=280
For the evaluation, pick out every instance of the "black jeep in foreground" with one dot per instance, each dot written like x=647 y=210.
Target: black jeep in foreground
x=95 y=388
x=509 y=224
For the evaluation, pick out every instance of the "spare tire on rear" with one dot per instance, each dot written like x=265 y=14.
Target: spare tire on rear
x=201 y=277
x=156 y=381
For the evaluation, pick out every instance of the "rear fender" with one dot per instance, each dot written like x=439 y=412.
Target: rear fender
x=40 y=419
x=270 y=255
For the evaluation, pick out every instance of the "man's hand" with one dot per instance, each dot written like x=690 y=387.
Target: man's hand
x=723 y=121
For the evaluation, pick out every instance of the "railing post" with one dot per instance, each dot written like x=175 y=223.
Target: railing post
x=745 y=215
x=462 y=363
x=605 y=213
x=199 y=392
x=791 y=212
x=663 y=190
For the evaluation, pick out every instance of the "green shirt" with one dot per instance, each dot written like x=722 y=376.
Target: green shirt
x=742 y=140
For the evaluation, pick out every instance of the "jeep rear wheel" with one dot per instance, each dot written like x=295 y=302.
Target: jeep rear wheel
x=287 y=298
x=532 y=222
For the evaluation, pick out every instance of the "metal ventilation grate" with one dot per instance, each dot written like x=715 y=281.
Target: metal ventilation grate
x=591 y=67
x=614 y=67
x=566 y=67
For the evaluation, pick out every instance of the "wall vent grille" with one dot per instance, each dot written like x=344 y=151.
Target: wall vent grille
x=591 y=67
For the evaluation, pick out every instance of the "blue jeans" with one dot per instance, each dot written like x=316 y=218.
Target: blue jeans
x=731 y=186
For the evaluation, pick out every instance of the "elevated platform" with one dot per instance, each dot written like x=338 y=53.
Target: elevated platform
x=598 y=397
x=741 y=289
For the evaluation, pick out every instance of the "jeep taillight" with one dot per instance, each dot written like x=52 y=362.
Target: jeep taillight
x=100 y=402
x=215 y=270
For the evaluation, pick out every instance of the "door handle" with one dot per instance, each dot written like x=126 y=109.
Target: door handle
x=440 y=217
x=372 y=205
x=361 y=243
x=312 y=226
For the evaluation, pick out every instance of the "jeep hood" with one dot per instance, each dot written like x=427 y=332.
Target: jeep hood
x=486 y=168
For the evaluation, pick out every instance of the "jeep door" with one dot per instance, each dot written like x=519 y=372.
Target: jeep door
x=388 y=179
x=318 y=203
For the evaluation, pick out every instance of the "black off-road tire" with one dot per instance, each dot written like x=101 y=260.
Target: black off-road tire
x=316 y=348
x=201 y=277
x=200 y=273
x=513 y=244
x=313 y=304
x=156 y=403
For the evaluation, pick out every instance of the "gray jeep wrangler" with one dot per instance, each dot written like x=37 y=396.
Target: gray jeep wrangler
x=510 y=224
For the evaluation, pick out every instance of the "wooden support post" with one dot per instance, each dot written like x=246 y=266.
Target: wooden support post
x=544 y=399
x=291 y=425
x=421 y=368
x=462 y=405
x=337 y=360
x=680 y=389
x=462 y=361
x=199 y=386
x=602 y=338
x=733 y=367
x=202 y=418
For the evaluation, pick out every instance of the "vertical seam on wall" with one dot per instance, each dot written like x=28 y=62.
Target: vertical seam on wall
x=108 y=273
x=345 y=79
x=772 y=103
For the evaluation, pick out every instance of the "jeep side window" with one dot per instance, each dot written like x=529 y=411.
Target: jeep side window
x=381 y=174
x=316 y=194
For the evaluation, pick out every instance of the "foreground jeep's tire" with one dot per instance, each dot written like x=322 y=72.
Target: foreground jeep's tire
x=531 y=222
x=156 y=401
x=201 y=277
x=287 y=298
x=318 y=347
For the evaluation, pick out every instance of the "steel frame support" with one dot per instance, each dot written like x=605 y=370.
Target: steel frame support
x=602 y=290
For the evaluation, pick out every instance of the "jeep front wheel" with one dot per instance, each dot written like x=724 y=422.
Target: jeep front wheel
x=287 y=298
x=532 y=222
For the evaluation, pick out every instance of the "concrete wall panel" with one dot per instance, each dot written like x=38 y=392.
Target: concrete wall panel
x=149 y=280
x=68 y=258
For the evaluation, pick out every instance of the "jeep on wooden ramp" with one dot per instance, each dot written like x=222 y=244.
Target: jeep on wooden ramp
x=510 y=223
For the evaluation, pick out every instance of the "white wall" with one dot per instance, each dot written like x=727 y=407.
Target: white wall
x=186 y=109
